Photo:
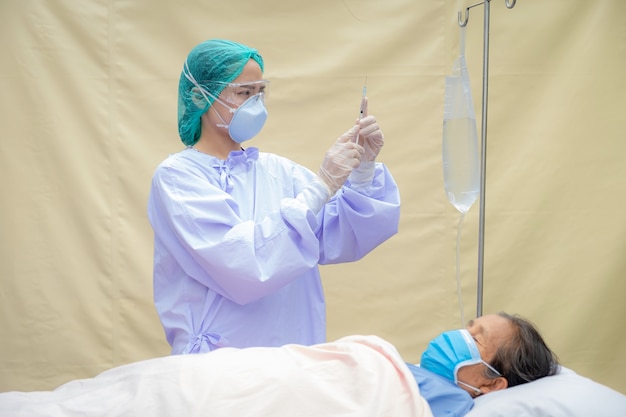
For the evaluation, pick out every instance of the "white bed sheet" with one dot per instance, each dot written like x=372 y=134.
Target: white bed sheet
x=355 y=376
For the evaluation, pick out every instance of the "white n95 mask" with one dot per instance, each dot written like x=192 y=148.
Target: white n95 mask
x=248 y=119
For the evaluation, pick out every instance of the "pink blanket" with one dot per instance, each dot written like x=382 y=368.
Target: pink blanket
x=355 y=376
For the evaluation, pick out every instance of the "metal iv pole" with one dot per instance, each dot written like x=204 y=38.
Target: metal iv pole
x=483 y=159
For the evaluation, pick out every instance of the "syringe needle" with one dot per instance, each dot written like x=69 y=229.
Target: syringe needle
x=363 y=104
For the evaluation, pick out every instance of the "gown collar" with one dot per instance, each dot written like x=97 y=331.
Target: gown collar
x=237 y=161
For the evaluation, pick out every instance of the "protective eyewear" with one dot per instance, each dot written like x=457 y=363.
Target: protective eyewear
x=237 y=93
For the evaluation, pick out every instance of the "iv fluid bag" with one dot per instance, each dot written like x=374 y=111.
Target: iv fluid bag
x=460 y=141
x=460 y=163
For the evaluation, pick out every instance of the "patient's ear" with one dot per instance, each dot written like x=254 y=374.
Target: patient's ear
x=496 y=384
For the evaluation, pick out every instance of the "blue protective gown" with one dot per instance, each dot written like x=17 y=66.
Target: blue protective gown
x=236 y=254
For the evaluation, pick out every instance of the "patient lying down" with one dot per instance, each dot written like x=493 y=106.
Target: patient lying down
x=353 y=376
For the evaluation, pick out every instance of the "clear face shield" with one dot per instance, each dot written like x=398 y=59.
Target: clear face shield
x=237 y=93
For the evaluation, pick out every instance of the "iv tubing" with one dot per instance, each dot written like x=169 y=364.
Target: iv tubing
x=458 y=271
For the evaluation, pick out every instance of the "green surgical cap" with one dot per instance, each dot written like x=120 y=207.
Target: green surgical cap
x=213 y=60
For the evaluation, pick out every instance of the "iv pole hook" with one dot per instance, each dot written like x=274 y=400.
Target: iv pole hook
x=463 y=21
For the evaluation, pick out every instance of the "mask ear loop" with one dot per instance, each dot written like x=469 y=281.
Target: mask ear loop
x=204 y=92
x=473 y=388
x=491 y=368
x=477 y=391
x=230 y=109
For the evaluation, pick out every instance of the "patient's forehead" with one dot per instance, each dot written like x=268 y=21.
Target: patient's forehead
x=491 y=331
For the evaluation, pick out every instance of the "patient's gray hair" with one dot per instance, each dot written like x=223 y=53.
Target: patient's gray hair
x=526 y=357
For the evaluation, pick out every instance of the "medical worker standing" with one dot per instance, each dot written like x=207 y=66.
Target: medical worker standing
x=238 y=233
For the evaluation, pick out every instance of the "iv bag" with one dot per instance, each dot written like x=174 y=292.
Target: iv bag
x=460 y=139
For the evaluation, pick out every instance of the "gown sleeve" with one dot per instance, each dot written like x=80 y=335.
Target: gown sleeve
x=355 y=222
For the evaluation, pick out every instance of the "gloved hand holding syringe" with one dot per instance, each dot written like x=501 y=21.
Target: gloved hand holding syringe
x=354 y=153
x=369 y=136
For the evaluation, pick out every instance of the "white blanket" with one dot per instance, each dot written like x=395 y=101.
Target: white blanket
x=355 y=376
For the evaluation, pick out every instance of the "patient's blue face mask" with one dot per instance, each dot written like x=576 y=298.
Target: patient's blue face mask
x=450 y=351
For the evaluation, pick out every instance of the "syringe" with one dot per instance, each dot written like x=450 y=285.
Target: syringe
x=363 y=105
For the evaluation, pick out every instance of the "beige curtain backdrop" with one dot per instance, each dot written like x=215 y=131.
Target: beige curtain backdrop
x=88 y=93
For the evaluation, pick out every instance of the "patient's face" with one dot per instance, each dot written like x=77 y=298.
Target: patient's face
x=489 y=332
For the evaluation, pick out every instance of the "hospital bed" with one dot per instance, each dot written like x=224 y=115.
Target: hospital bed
x=354 y=376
